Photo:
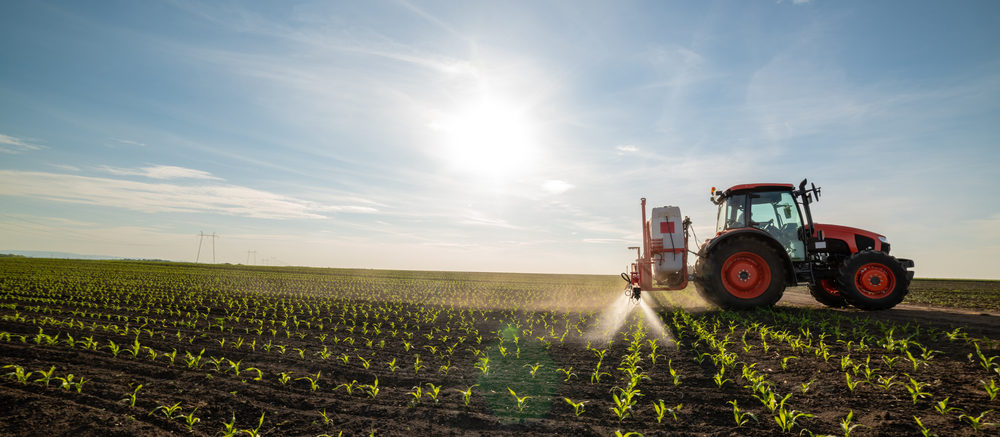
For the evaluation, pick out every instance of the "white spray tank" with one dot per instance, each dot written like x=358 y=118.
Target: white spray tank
x=666 y=232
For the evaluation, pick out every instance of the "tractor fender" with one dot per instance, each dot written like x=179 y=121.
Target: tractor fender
x=758 y=234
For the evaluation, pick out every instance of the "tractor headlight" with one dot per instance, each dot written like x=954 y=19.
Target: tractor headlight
x=883 y=239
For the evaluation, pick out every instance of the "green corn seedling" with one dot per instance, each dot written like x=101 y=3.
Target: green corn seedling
x=254 y=432
x=943 y=408
x=466 y=394
x=534 y=369
x=991 y=388
x=740 y=417
x=168 y=411
x=313 y=380
x=661 y=410
x=348 y=386
x=284 y=377
x=977 y=421
x=924 y=431
x=577 y=406
x=19 y=374
x=847 y=426
x=418 y=394
x=916 y=389
x=46 y=376
x=567 y=372
x=190 y=420
x=433 y=392
x=522 y=401
x=131 y=397
x=785 y=360
x=372 y=389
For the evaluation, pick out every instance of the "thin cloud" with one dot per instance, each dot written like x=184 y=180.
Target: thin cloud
x=163 y=197
x=14 y=145
x=129 y=142
x=623 y=149
x=557 y=186
x=163 y=172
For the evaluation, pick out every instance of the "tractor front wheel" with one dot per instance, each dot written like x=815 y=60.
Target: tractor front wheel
x=743 y=273
x=872 y=280
x=825 y=292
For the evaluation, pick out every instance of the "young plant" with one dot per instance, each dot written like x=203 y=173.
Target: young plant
x=466 y=394
x=190 y=420
x=254 y=432
x=568 y=372
x=46 y=376
x=348 y=386
x=661 y=410
x=846 y=426
x=522 y=401
x=741 y=417
x=168 y=411
x=372 y=389
x=577 y=406
x=924 y=431
x=991 y=388
x=130 y=397
x=534 y=368
x=19 y=374
x=916 y=389
x=418 y=394
x=313 y=380
x=785 y=360
x=433 y=391
x=976 y=422
x=943 y=408
x=284 y=377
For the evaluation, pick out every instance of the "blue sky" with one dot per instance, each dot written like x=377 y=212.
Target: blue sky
x=489 y=136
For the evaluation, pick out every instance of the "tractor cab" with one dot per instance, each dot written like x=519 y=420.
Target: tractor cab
x=771 y=208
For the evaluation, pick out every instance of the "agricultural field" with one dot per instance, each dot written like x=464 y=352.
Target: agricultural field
x=142 y=348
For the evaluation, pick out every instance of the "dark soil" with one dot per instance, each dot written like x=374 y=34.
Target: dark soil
x=166 y=321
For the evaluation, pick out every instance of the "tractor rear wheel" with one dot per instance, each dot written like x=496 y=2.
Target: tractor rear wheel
x=825 y=291
x=742 y=273
x=872 y=280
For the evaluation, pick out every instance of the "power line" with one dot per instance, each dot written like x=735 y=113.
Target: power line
x=201 y=238
x=254 y=253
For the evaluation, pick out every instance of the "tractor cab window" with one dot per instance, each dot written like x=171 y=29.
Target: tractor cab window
x=731 y=214
x=775 y=213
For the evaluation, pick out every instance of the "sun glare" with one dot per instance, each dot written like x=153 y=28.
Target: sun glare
x=490 y=138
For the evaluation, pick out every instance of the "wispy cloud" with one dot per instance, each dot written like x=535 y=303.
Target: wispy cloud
x=163 y=197
x=129 y=142
x=12 y=145
x=557 y=186
x=480 y=219
x=162 y=172
x=625 y=148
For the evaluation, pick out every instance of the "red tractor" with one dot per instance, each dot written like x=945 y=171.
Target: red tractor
x=763 y=243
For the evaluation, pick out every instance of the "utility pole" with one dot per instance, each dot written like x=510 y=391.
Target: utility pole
x=201 y=238
x=254 y=253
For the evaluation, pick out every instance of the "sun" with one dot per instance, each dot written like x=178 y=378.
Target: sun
x=490 y=138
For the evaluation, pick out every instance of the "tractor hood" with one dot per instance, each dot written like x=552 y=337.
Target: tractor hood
x=854 y=237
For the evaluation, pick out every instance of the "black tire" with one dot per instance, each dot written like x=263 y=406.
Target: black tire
x=831 y=298
x=756 y=275
x=872 y=281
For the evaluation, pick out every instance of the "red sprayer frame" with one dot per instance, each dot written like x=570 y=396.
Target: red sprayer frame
x=642 y=269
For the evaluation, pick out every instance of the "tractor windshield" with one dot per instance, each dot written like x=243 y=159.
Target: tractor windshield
x=775 y=213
